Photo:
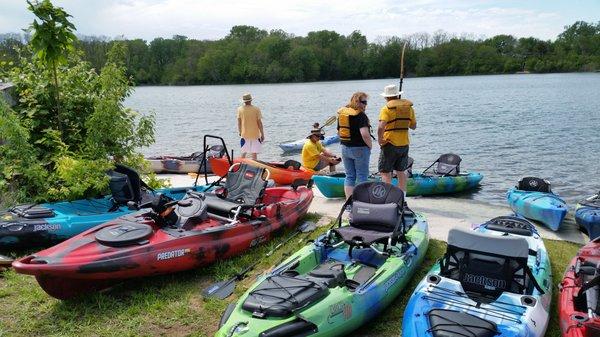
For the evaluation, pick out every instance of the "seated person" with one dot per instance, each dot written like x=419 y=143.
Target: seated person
x=315 y=156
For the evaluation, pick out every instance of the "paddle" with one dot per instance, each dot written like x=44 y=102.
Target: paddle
x=402 y=67
x=328 y=122
x=224 y=289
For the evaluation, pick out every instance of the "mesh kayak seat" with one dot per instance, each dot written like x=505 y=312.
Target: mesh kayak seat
x=126 y=185
x=487 y=265
x=533 y=184
x=376 y=215
x=448 y=164
x=450 y=323
x=244 y=188
x=30 y=211
x=280 y=296
x=510 y=224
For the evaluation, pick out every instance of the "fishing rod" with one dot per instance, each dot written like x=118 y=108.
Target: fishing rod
x=401 y=68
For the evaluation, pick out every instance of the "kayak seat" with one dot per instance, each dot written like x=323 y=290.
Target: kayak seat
x=243 y=187
x=280 y=296
x=295 y=165
x=450 y=323
x=330 y=274
x=376 y=215
x=448 y=164
x=124 y=234
x=533 y=184
x=485 y=265
x=126 y=185
x=510 y=224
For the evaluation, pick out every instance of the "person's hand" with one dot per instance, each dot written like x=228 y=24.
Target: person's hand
x=261 y=139
x=383 y=142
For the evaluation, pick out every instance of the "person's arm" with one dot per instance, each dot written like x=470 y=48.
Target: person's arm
x=262 y=132
x=366 y=136
x=413 y=120
x=380 y=131
x=239 y=126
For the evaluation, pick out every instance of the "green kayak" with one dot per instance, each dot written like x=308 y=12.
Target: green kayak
x=332 y=186
x=342 y=280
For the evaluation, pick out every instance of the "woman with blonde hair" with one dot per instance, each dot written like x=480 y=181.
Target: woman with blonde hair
x=355 y=138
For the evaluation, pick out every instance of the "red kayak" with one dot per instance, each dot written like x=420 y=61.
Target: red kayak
x=172 y=236
x=579 y=298
x=282 y=173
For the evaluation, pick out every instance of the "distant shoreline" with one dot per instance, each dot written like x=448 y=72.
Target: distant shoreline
x=366 y=79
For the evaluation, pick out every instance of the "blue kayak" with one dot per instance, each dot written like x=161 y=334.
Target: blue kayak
x=545 y=207
x=492 y=281
x=297 y=145
x=34 y=225
x=587 y=216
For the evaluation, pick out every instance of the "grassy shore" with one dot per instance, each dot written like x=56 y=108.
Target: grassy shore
x=172 y=304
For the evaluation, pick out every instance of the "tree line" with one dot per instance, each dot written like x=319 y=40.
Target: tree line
x=252 y=55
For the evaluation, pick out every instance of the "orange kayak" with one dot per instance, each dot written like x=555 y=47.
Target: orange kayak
x=278 y=172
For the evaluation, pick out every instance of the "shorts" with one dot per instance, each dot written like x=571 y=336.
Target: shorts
x=393 y=158
x=321 y=165
x=250 y=146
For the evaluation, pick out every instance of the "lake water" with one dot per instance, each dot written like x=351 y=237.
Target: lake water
x=505 y=126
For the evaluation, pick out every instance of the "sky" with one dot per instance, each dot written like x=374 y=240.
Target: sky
x=211 y=20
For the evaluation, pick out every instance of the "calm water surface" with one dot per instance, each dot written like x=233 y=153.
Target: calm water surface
x=505 y=126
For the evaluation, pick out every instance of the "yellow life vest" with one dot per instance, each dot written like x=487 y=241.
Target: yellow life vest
x=399 y=110
x=344 y=122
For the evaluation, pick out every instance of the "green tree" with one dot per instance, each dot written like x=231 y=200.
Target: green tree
x=51 y=40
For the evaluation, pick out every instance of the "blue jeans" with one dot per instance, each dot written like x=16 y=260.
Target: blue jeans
x=356 y=164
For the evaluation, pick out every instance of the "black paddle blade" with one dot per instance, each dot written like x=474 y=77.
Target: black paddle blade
x=220 y=290
x=5 y=262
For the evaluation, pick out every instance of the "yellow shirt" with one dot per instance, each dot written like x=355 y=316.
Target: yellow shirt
x=310 y=153
x=399 y=116
x=249 y=115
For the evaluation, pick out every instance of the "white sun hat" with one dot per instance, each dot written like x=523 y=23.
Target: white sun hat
x=391 y=91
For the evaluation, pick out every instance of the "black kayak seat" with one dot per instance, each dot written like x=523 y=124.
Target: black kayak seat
x=376 y=213
x=450 y=323
x=534 y=184
x=510 y=224
x=124 y=234
x=243 y=187
x=295 y=165
x=280 y=296
x=126 y=185
x=448 y=164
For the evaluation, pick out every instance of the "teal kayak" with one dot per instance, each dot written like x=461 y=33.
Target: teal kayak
x=332 y=186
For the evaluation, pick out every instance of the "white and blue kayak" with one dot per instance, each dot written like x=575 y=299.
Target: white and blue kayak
x=297 y=145
x=494 y=280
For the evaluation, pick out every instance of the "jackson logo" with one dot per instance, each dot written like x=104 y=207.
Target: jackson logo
x=378 y=191
x=362 y=210
x=533 y=183
x=486 y=282
x=46 y=227
x=172 y=254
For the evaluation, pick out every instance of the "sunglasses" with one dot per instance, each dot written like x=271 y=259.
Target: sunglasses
x=364 y=102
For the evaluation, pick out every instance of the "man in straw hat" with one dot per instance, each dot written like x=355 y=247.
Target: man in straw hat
x=395 y=118
x=315 y=156
x=250 y=127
